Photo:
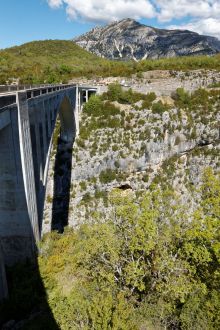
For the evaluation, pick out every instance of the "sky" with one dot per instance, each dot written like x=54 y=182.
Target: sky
x=27 y=20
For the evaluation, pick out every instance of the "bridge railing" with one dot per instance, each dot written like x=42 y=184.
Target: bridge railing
x=14 y=88
x=37 y=91
x=9 y=97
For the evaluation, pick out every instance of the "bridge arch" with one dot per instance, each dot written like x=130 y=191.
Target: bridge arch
x=27 y=122
x=67 y=120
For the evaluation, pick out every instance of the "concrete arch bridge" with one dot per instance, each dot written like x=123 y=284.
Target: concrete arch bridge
x=27 y=122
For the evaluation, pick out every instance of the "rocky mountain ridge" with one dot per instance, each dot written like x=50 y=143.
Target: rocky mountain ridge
x=128 y=39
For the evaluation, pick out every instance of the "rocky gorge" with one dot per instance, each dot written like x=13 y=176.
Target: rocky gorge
x=151 y=139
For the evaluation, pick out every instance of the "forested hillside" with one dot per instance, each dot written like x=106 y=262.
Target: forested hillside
x=148 y=266
x=52 y=61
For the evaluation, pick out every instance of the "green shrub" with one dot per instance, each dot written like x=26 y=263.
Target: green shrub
x=87 y=198
x=93 y=106
x=159 y=107
x=115 y=147
x=100 y=194
x=107 y=176
x=148 y=100
x=182 y=98
x=83 y=185
x=114 y=92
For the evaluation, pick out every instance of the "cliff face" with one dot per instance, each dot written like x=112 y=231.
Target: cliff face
x=142 y=144
x=129 y=39
x=171 y=149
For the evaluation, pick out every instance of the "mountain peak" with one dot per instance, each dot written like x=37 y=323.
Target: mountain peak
x=128 y=21
x=128 y=39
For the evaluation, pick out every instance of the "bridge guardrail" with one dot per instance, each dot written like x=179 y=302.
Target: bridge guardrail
x=7 y=98
x=14 y=88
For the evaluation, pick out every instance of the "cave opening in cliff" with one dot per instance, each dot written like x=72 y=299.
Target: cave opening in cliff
x=125 y=186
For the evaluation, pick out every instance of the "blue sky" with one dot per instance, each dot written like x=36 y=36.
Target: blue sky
x=26 y=20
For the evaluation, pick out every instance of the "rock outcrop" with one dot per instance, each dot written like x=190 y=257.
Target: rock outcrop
x=128 y=39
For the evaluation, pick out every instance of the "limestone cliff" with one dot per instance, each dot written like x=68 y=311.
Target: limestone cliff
x=143 y=144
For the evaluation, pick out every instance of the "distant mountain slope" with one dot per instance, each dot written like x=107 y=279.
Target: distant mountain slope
x=48 y=60
x=128 y=39
x=51 y=61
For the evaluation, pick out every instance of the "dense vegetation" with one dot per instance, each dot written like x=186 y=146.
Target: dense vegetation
x=58 y=61
x=147 y=267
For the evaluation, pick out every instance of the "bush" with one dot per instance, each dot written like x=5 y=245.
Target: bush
x=159 y=107
x=182 y=98
x=107 y=176
x=148 y=100
x=109 y=109
x=116 y=93
x=87 y=198
x=94 y=106
x=83 y=185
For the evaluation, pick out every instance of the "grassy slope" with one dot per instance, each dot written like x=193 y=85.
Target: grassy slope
x=47 y=60
x=60 y=60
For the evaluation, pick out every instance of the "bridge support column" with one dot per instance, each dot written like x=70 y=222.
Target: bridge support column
x=49 y=118
x=77 y=110
x=39 y=158
x=27 y=163
x=81 y=100
x=87 y=95
x=3 y=281
x=44 y=133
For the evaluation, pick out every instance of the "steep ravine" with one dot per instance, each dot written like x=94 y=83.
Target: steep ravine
x=169 y=147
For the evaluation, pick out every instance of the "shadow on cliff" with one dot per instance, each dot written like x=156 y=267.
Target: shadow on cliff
x=62 y=185
x=27 y=307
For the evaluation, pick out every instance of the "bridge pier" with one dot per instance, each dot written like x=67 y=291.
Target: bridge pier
x=77 y=110
x=27 y=121
x=15 y=225
x=3 y=280
x=27 y=163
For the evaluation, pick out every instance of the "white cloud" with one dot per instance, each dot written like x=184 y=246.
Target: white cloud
x=208 y=26
x=204 y=14
x=105 y=11
x=55 y=3
x=169 y=9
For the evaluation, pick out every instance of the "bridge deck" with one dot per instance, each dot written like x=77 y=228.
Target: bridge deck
x=8 y=93
x=9 y=97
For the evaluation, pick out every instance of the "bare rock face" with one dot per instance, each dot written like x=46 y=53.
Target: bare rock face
x=128 y=39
